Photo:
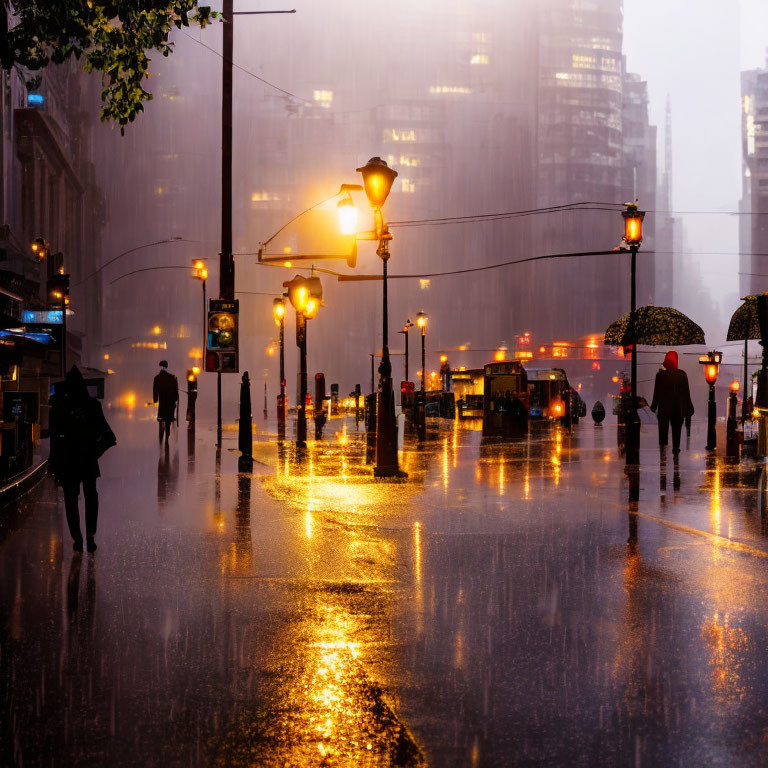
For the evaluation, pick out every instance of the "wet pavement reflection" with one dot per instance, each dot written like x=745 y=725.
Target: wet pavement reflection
x=525 y=603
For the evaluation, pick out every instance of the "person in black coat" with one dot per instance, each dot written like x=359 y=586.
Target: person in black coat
x=165 y=392
x=671 y=401
x=79 y=435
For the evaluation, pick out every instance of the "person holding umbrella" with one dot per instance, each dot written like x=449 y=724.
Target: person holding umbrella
x=671 y=401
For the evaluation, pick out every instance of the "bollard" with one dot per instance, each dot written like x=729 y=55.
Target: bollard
x=732 y=442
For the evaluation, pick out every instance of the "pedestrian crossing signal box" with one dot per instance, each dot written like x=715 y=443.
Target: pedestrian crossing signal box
x=221 y=343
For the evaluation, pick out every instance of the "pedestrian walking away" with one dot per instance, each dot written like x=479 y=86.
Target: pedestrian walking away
x=671 y=401
x=165 y=392
x=79 y=436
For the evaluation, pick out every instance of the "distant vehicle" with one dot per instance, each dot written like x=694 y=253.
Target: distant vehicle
x=504 y=383
x=468 y=389
x=548 y=390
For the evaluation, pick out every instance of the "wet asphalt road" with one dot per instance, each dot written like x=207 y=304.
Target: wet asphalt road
x=506 y=606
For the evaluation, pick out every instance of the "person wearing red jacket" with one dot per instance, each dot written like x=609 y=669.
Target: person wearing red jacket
x=671 y=401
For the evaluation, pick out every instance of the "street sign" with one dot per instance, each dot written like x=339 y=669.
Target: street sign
x=221 y=343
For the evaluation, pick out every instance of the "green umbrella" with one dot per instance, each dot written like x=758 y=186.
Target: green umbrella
x=656 y=326
x=744 y=323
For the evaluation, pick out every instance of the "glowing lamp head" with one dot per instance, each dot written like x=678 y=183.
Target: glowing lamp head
x=633 y=225
x=711 y=362
x=196 y=370
x=198 y=264
x=421 y=320
x=278 y=310
x=310 y=308
x=203 y=274
x=443 y=358
x=378 y=178
x=735 y=386
x=347 y=212
x=500 y=355
x=558 y=409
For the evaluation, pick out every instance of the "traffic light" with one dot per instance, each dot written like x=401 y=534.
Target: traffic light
x=221 y=354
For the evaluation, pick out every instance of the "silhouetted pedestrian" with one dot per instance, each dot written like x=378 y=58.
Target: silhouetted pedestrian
x=79 y=436
x=165 y=392
x=672 y=398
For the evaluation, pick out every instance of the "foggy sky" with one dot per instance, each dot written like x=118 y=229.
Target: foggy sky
x=694 y=50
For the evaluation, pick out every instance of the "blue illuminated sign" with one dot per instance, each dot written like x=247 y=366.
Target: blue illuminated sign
x=49 y=317
x=35 y=99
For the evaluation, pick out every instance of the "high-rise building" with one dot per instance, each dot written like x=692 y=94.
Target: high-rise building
x=753 y=225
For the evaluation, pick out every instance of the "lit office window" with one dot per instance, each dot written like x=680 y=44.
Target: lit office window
x=392 y=134
x=479 y=58
x=264 y=197
x=449 y=89
x=324 y=98
x=406 y=185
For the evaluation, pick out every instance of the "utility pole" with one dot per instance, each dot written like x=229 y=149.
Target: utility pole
x=226 y=258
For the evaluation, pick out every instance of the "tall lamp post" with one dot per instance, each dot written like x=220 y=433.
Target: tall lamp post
x=278 y=310
x=633 y=237
x=711 y=362
x=305 y=295
x=421 y=322
x=408 y=325
x=201 y=274
x=378 y=178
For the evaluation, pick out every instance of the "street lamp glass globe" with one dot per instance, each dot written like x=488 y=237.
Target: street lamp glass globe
x=378 y=178
x=347 y=212
x=310 y=307
x=633 y=225
x=278 y=310
x=421 y=320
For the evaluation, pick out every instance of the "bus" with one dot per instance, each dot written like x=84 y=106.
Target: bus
x=548 y=390
x=468 y=390
x=505 y=399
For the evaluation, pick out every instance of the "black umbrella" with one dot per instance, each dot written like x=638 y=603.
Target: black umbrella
x=745 y=323
x=655 y=327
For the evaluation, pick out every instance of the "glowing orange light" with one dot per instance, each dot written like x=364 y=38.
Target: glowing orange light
x=500 y=355
x=615 y=379
x=710 y=373
x=595 y=366
x=443 y=358
x=735 y=386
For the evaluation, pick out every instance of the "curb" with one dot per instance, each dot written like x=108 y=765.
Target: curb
x=18 y=485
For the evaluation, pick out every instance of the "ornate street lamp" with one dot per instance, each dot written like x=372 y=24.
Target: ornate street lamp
x=305 y=295
x=633 y=238
x=711 y=362
x=377 y=182
x=408 y=325
x=421 y=322
x=278 y=311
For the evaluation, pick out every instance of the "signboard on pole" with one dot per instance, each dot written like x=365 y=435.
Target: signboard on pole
x=221 y=342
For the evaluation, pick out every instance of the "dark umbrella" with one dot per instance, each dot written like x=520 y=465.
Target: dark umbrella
x=745 y=323
x=655 y=327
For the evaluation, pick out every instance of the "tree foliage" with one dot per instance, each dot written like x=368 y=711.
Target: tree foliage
x=112 y=37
